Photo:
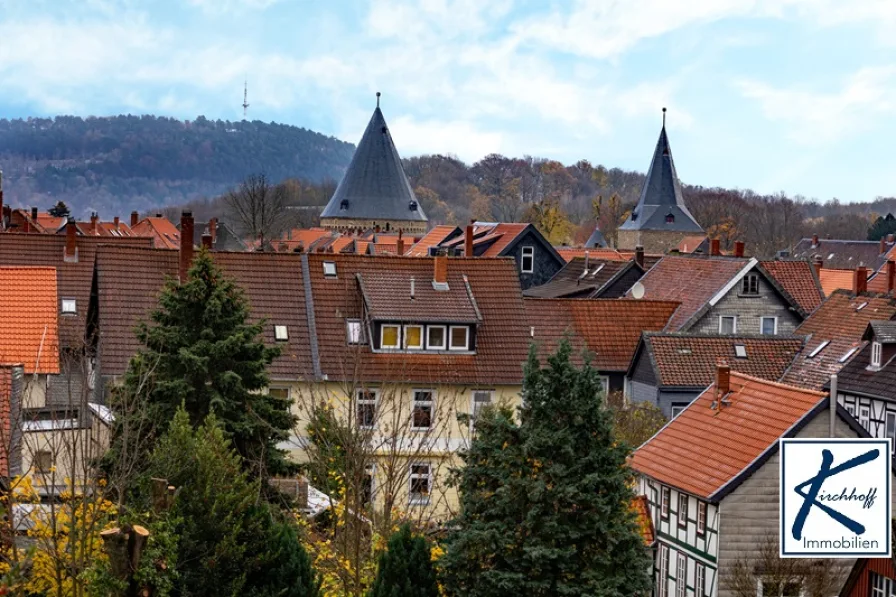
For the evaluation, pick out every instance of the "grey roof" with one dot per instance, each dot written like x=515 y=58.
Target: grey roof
x=596 y=239
x=375 y=186
x=843 y=253
x=661 y=196
x=225 y=238
x=884 y=331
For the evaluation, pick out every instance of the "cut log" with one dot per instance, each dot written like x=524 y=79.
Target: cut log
x=115 y=544
x=136 y=542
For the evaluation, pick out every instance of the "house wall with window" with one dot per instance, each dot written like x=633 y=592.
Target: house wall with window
x=687 y=532
x=544 y=262
x=877 y=415
x=749 y=302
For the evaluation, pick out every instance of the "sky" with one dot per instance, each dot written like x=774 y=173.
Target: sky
x=778 y=95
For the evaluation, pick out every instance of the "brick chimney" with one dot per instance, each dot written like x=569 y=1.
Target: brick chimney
x=814 y=240
x=739 y=248
x=399 y=246
x=134 y=218
x=819 y=264
x=34 y=213
x=639 y=256
x=71 y=242
x=186 y=244
x=860 y=280
x=714 y=248
x=207 y=241
x=723 y=380
x=891 y=276
x=440 y=272
x=213 y=229
x=116 y=222
x=93 y=221
x=468 y=241
x=883 y=245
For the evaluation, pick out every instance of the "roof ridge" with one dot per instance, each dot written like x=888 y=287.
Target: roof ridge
x=777 y=384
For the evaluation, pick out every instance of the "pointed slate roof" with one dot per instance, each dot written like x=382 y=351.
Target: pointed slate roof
x=661 y=196
x=596 y=239
x=375 y=186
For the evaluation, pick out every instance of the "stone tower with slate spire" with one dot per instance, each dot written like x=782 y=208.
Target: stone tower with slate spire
x=660 y=220
x=375 y=190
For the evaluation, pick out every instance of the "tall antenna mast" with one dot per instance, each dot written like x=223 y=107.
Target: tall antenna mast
x=245 y=98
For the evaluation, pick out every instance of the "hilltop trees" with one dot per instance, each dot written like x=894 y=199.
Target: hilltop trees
x=545 y=503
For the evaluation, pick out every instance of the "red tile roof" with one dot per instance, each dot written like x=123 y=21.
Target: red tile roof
x=840 y=321
x=387 y=296
x=836 y=279
x=645 y=525
x=608 y=328
x=798 y=279
x=703 y=449
x=502 y=235
x=433 y=238
x=689 y=244
x=692 y=281
x=50 y=223
x=29 y=326
x=165 y=235
x=687 y=360
x=74 y=278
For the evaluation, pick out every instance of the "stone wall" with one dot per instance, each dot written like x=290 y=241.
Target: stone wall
x=655 y=242
x=346 y=224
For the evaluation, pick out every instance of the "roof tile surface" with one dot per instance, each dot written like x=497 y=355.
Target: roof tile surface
x=29 y=326
x=798 y=279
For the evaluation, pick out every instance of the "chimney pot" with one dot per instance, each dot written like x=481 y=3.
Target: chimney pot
x=814 y=240
x=739 y=248
x=71 y=241
x=186 y=244
x=639 y=256
x=723 y=380
x=860 y=280
x=134 y=217
x=34 y=213
x=468 y=241
x=714 y=249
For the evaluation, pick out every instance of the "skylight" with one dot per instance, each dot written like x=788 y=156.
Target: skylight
x=818 y=349
x=599 y=267
x=862 y=306
x=330 y=269
x=280 y=333
x=740 y=351
x=848 y=354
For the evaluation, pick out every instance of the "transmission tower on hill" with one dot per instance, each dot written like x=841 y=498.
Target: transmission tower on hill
x=245 y=98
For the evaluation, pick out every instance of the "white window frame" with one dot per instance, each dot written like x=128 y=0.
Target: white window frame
x=354 y=331
x=851 y=409
x=890 y=426
x=665 y=498
x=701 y=517
x=412 y=476
x=663 y=584
x=733 y=318
x=881 y=586
x=683 y=500
x=877 y=351
x=700 y=579
x=329 y=269
x=677 y=409
x=422 y=329
x=747 y=284
x=466 y=329
x=774 y=326
x=681 y=576
x=430 y=404
x=604 y=383
x=444 y=329
x=865 y=415
x=68 y=302
x=527 y=252
x=366 y=400
x=383 y=335
x=35 y=461
x=281 y=333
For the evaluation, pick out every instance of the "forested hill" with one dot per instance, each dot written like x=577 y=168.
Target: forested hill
x=122 y=163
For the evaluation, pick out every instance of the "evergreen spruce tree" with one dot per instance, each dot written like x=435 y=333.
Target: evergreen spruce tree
x=199 y=350
x=546 y=503
x=60 y=210
x=405 y=569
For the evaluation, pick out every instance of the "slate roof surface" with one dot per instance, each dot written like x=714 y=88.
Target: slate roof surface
x=570 y=253
x=29 y=325
x=661 y=196
x=387 y=295
x=688 y=360
x=843 y=254
x=610 y=329
x=798 y=279
x=692 y=281
x=433 y=238
x=836 y=279
x=841 y=321
x=703 y=449
x=131 y=279
x=73 y=279
x=857 y=377
x=569 y=280
x=596 y=239
x=884 y=331
x=375 y=185
x=502 y=337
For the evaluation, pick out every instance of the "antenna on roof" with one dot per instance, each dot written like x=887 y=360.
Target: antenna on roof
x=664 y=117
x=245 y=98
x=377 y=99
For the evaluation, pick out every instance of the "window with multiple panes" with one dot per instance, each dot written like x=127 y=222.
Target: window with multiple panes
x=881 y=586
x=664 y=501
x=481 y=399
x=700 y=580
x=421 y=484
x=366 y=408
x=69 y=306
x=422 y=412
x=701 y=517
x=281 y=393
x=527 y=262
x=865 y=416
x=769 y=326
x=664 y=571
x=43 y=461
x=413 y=337
x=459 y=338
x=750 y=284
x=390 y=336
x=727 y=324
x=682 y=510
x=876 y=354
x=436 y=337
x=354 y=331
x=681 y=576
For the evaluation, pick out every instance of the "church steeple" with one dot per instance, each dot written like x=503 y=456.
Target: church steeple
x=375 y=190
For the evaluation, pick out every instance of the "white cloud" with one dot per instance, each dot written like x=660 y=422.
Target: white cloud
x=231 y=6
x=463 y=139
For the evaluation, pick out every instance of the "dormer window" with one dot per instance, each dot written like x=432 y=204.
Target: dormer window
x=281 y=334
x=750 y=285
x=460 y=337
x=876 y=353
x=435 y=337
x=390 y=337
x=527 y=260
x=670 y=218
x=413 y=337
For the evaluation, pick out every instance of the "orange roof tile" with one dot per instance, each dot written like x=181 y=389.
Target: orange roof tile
x=29 y=327
x=503 y=234
x=433 y=238
x=50 y=223
x=798 y=279
x=704 y=449
x=689 y=244
x=835 y=279
x=342 y=243
x=165 y=235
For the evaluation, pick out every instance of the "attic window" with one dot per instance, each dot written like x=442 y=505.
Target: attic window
x=740 y=351
x=634 y=216
x=69 y=306
x=818 y=349
x=600 y=267
x=848 y=354
x=670 y=218
x=280 y=333
x=330 y=269
x=343 y=205
x=750 y=285
x=876 y=353
x=412 y=206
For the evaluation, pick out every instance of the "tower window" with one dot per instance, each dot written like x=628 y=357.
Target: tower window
x=412 y=206
x=670 y=218
x=343 y=205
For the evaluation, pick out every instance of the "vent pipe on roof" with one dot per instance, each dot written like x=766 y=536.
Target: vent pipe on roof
x=71 y=241
x=186 y=244
x=468 y=241
x=860 y=280
x=832 y=404
x=714 y=248
x=739 y=248
x=134 y=218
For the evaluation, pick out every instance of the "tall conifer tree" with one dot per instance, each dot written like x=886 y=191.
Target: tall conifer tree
x=405 y=569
